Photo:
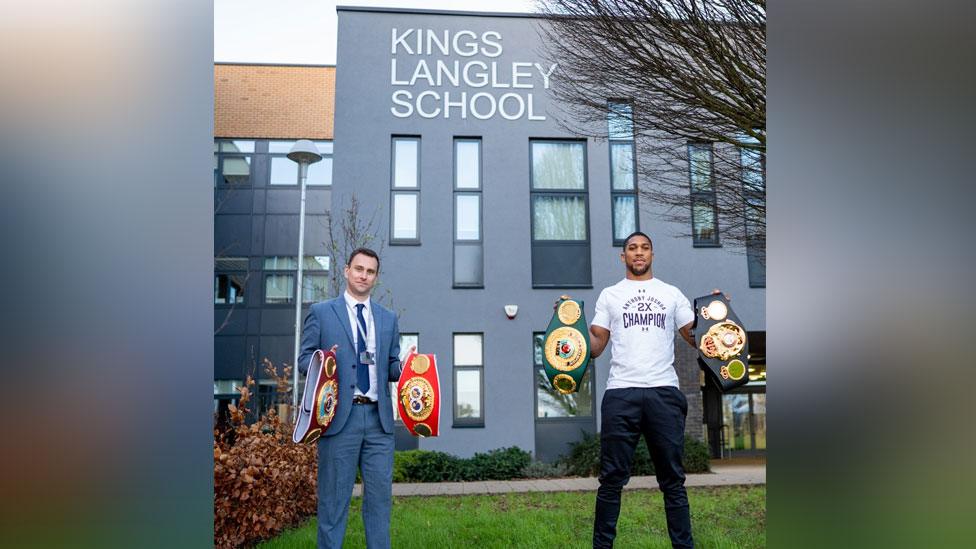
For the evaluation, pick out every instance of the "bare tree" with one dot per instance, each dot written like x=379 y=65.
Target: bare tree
x=348 y=230
x=693 y=72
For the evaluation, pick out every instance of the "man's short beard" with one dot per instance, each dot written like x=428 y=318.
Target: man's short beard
x=641 y=272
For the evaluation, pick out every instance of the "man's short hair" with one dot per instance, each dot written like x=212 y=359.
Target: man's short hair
x=364 y=251
x=637 y=233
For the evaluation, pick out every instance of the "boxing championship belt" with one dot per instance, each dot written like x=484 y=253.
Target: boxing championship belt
x=723 y=346
x=320 y=399
x=566 y=346
x=419 y=395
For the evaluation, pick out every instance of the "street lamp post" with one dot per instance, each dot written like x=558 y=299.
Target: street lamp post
x=304 y=153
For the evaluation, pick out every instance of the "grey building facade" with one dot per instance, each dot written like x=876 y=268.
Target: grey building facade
x=445 y=131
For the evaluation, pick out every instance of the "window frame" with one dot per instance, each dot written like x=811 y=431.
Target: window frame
x=540 y=367
x=394 y=191
x=221 y=155
x=309 y=272
x=478 y=422
x=319 y=145
x=468 y=191
x=584 y=245
x=703 y=197
x=749 y=192
x=393 y=384
x=615 y=193
x=584 y=192
x=297 y=293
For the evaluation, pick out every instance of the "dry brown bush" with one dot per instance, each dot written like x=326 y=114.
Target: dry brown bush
x=263 y=482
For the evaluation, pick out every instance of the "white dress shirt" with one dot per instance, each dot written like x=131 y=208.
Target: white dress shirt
x=351 y=303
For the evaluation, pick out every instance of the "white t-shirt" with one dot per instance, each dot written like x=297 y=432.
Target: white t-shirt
x=642 y=316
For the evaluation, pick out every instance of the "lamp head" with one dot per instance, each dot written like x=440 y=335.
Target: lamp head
x=304 y=152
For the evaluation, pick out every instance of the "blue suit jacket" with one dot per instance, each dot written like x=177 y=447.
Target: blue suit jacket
x=327 y=324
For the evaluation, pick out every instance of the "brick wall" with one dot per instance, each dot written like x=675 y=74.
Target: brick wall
x=686 y=365
x=274 y=102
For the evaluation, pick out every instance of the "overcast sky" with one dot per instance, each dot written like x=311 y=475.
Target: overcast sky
x=304 y=31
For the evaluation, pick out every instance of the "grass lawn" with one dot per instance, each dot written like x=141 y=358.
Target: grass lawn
x=725 y=517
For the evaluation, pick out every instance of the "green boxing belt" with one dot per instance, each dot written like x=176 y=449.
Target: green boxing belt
x=566 y=346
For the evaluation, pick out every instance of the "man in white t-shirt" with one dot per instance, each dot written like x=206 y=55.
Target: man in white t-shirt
x=640 y=315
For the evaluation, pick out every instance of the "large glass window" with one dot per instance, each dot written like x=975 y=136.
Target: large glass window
x=405 y=217
x=232 y=162
x=468 y=380
x=623 y=171
x=560 y=234
x=620 y=120
x=559 y=218
x=558 y=166
x=405 y=193
x=744 y=417
x=315 y=278
x=406 y=340
x=550 y=403
x=279 y=279
x=558 y=191
x=279 y=289
x=285 y=171
x=230 y=280
x=468 y=216
x=754 y=194
x=468 y=240
x=467 y=163
x=406 y=158
x=704 y=215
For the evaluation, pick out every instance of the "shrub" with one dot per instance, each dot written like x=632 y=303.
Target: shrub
x=431 y=466
x=697 y=457
x=500 y=464
x=541 y=469
x=263 y=482
x=583 y=458
x=401 y=461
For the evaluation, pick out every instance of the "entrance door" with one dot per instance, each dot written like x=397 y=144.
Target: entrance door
x=560 y=420
x=744 y=423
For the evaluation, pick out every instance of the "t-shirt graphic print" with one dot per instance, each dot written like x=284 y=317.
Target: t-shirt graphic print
x=642 y=316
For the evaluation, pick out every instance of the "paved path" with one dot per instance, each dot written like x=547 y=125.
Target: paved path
x=721 y=475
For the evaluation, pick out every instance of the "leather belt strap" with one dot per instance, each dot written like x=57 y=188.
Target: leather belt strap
x=359 y=399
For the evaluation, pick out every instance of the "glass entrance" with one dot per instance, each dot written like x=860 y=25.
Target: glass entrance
x=744 y=423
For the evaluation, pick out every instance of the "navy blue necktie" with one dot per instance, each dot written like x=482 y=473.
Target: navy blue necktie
x=362 y=370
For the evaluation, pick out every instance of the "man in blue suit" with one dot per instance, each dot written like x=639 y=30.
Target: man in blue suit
x=366 y=339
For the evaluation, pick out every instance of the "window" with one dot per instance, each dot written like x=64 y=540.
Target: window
x=320 y=173
x=754 y=193
x=230 y=278
x=232 y=162
x=560 y=235
x=279 y=279
x=279 y=287
x=550 y=403
x=406 y=340
x=405 y=193
x=285 y=171
x=468 y=243
x=315 y=279
x=704 y=215
x=468 y=380
x=623 y=171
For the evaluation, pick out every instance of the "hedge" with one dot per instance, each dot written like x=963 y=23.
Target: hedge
x=432 y=466
x=583 y=458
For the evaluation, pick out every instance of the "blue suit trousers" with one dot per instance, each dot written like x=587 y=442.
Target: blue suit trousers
x=361 y=443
